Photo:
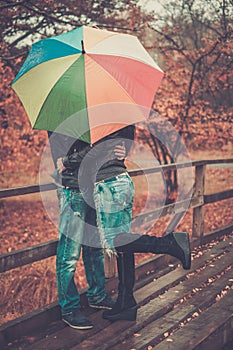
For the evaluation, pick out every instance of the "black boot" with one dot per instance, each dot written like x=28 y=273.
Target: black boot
x=175 y=244
x=125 y=307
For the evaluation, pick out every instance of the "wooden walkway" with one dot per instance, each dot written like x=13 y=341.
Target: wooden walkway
x=178 y=309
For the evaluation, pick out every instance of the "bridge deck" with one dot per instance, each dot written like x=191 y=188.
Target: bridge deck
x=178 y=309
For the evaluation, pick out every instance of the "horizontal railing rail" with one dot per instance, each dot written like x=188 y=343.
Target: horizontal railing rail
x=18 y=191
x=197 y=201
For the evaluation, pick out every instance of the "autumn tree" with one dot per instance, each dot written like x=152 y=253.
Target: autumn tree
x=195 y=42
x=24 y=22
x=192 y=40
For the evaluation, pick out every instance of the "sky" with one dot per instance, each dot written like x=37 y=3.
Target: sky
x=151 y=5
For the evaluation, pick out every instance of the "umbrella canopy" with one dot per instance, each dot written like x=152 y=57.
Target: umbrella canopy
x=66 y=76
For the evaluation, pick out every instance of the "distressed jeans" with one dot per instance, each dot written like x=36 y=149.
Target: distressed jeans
x=113 y=201
x=73 y=232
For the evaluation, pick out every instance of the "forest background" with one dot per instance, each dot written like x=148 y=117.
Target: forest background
x=192 y=42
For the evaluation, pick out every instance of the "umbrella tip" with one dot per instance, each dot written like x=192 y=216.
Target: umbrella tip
x=83 y=51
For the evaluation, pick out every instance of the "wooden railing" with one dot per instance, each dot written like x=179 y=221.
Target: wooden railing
x=197 y=201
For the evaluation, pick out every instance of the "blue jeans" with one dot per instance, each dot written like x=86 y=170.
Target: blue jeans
x=74 y=214
x=113 y=201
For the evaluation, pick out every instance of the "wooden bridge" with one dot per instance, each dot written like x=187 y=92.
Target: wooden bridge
x=178 y=309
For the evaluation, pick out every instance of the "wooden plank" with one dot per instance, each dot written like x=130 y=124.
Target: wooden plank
x=19 y=191
x=173 y=278
x=203 y=299
x=156 y=308
x=48 y=188
x=44 y=316
x=164 y=167
x=117 y=330
x=174 y=208
x=219 y=196
x=144 y=272
x=41 y=251
x=217 y=234
x=210 y=331
x=219 y=161
x=27 y=255
x=35 y=325
x=24 y=325
x=66 y=337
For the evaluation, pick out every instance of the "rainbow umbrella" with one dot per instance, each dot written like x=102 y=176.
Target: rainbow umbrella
x=87 y=83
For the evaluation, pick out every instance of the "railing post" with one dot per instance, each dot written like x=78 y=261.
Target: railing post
x=198 y=212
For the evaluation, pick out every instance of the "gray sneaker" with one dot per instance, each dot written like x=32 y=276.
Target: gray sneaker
x=76 y=319
x=107 y=303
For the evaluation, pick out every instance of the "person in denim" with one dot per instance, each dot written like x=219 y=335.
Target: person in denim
x=113 y=197
x=77 y=230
